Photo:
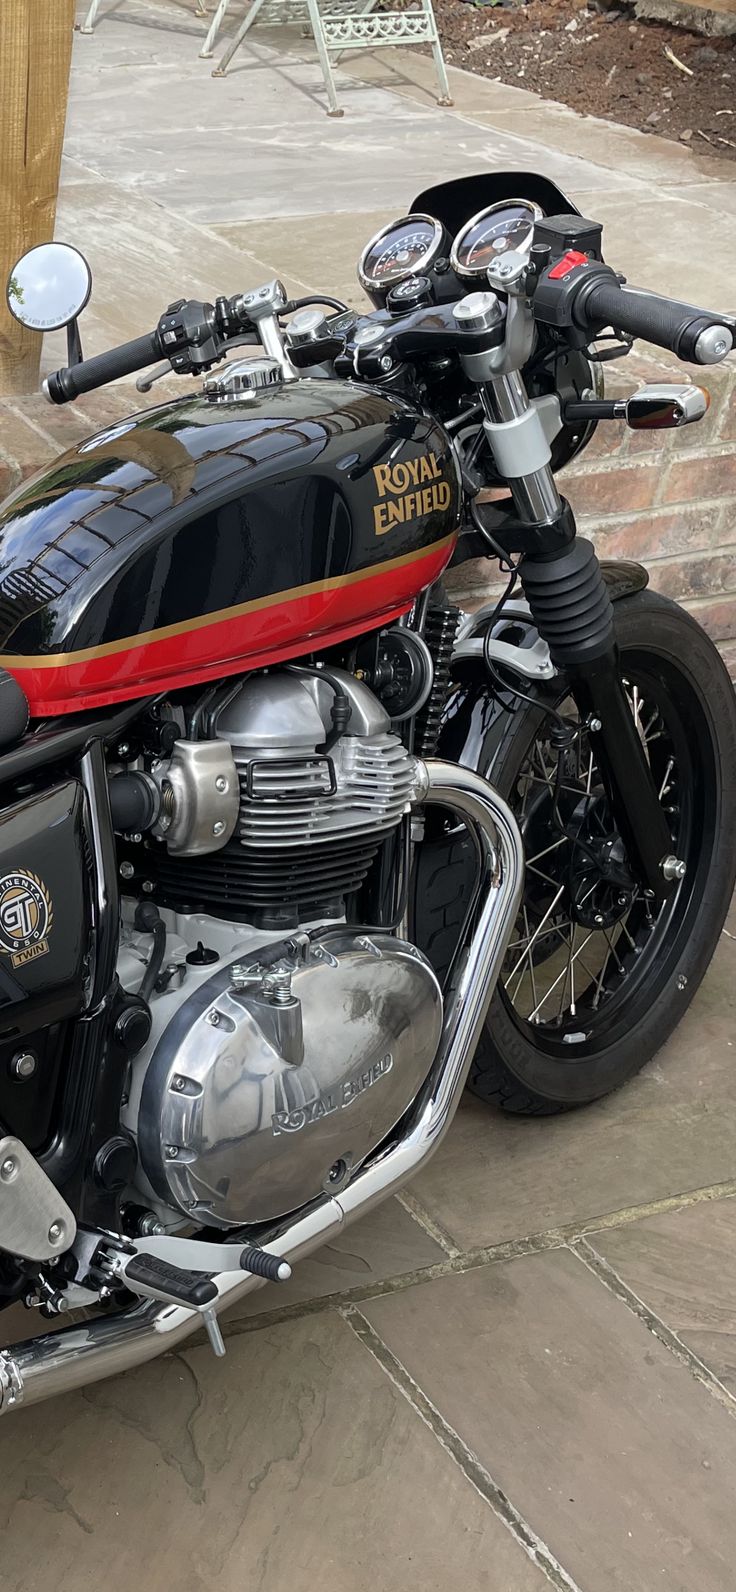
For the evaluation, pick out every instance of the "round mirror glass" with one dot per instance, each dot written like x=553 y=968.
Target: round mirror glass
x=49 y=286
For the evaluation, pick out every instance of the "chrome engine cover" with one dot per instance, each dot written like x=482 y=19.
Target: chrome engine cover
x=256 y=1099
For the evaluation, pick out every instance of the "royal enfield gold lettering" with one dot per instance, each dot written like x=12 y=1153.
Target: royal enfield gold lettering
x=401 y=510
x=396 y=478
x=404 y=496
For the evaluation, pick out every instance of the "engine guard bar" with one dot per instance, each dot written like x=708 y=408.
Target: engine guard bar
x=61 y=1361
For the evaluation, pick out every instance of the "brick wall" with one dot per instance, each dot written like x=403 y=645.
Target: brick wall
x=667 y=498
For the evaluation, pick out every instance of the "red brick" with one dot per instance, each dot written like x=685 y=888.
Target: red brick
x=606 y=441
x=717 y=615
x=690 y=480
x=727 y=429
x=20 y=446
x=97 y=410
x=662 y=533
x=656 y=443
x=613 y=491
x=727 y=650
x=694 y=577
x=59 y=422
x=473 y=583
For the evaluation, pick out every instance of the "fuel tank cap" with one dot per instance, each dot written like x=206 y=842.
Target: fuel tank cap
x=242 y=379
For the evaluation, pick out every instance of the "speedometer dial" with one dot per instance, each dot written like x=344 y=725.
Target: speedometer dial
x=398 y=250
x=508 y=225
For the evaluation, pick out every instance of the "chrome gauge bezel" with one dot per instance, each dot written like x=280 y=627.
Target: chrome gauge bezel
x=478 y=273
x=373 y=284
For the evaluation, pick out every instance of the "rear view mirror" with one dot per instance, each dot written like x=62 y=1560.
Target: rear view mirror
x=49 y=287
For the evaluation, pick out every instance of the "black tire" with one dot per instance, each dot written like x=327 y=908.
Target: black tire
x=529 y=1070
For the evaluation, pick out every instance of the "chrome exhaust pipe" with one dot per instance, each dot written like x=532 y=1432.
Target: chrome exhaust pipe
x=62 y=1361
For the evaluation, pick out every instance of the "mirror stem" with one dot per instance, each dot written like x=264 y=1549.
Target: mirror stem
x=74 y=355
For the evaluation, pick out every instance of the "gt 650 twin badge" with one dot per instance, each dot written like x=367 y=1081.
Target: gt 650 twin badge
x=26 y=916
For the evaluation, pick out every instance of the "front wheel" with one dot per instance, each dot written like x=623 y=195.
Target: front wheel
x=597 y=974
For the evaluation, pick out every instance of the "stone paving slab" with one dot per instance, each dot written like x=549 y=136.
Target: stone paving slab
x=142 y=258
x=325 y=249
x=668 y=1131
x=359 y=167
x=386 y=1243
x=296 y=1465
x=628 y=223
x=682 y=1265
x=625 y=1466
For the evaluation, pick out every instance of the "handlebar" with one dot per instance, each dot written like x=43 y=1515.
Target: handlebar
x=690 y=333
x=74 y=380
x=582 y=295
x=576 y=294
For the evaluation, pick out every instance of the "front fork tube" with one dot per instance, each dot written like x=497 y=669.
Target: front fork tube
x=601 y=700
x=571 y=608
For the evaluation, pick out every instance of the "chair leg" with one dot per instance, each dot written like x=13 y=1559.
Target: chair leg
x=214 y=29
x=445 y=97
x=91 y=17
x=236 y=42
x=324 y=59
x=441 y=70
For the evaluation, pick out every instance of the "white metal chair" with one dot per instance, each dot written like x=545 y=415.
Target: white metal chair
x=200 y=10
x=342 y=25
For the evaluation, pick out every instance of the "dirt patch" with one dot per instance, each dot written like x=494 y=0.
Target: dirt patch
x=602 y=63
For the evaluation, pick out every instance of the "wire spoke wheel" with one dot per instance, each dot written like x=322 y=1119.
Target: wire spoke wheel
x=597 y=972
x=584 y=924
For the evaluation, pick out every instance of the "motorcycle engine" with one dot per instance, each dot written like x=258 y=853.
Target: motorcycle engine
x=277 y=1060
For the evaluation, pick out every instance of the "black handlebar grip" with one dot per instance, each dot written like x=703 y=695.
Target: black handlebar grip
x=64 y=385
x=692 y=334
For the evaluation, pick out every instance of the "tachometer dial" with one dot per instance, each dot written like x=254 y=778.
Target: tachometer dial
x=401 y=249
x=508 y=225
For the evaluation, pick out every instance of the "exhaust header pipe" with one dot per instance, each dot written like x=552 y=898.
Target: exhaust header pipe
x=61 y=1361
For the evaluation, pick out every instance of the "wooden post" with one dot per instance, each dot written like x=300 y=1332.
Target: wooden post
x=35 y=54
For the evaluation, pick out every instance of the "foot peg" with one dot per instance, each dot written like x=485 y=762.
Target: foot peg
x=261 y=1264
x=153 y=1277
x=159 y=1279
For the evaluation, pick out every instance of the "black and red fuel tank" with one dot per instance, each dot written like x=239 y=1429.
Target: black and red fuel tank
x=200 y=539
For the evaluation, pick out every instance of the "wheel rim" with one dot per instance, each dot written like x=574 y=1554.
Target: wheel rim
x=568 y=979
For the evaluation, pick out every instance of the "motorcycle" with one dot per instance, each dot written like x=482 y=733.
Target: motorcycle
x=291 y=850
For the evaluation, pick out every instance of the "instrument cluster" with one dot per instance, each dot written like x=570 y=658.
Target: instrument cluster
x=419 y=244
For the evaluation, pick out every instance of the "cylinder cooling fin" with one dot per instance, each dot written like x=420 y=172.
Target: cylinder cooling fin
x=440 y=630
x=321 y=780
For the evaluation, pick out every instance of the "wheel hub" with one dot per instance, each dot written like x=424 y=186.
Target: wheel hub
x=600 y=887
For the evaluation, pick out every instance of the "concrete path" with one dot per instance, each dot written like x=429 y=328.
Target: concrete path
x=232 y=179
x=522 y=1374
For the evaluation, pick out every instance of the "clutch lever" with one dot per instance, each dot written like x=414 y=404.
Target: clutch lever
x=146 y=381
